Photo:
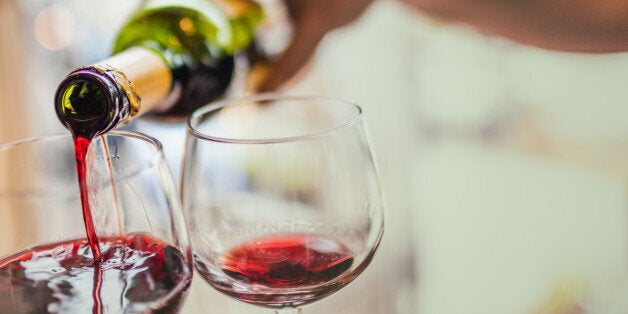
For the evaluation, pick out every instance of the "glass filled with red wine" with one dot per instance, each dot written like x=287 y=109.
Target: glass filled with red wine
x=282 y=198
x=125 y=251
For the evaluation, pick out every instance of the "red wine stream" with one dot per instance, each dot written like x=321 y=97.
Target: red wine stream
x=81 y=146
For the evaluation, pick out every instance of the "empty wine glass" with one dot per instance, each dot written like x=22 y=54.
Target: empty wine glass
x=46 y=265
x=281 y=197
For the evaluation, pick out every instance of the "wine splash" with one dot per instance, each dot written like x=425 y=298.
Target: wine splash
x=137 y=273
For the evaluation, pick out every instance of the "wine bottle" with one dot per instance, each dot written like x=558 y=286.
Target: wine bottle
x=168 y=59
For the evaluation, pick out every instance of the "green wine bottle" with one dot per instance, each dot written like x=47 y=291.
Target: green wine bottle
x=169 y=58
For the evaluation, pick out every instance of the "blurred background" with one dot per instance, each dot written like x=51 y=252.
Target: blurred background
x=504 y=167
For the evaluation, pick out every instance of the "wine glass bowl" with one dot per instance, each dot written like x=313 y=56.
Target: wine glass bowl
x=281 y=197
x=46 y=264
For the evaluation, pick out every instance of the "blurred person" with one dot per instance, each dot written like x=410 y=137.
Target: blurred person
x=593 y=26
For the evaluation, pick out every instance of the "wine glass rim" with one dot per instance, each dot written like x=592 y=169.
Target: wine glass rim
x=51 y=136
x=196 y=118
x=130 y=172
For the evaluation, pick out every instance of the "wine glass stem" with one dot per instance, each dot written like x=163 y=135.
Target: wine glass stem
x=289 y=310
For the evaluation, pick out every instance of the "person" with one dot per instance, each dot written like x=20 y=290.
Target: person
x=592 y=26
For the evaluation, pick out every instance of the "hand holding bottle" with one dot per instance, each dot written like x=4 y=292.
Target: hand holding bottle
x=581 y=26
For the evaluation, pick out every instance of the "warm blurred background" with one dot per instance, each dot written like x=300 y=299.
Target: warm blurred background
x=505 y=168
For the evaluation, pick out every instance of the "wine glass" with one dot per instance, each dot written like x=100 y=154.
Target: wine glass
x=281 y=197
x=46 y=265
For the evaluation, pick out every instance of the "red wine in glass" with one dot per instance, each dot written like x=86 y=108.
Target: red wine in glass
x=287 y=261
x=137 y=273
x=282 y=268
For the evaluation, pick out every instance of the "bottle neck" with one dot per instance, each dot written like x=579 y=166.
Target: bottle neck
x=97 y=98
x=143 y=75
